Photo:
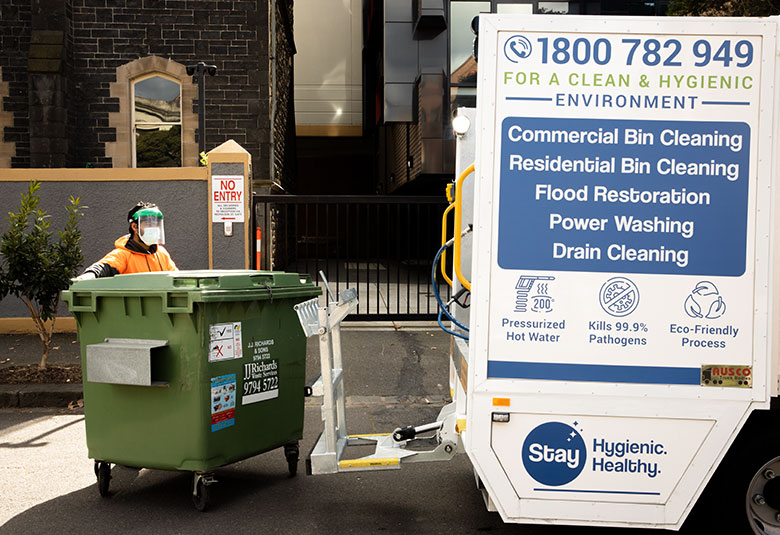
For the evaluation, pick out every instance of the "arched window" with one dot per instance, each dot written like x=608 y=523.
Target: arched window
x=156 y=122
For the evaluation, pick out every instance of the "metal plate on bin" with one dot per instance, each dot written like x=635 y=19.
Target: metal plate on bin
x=122 y=361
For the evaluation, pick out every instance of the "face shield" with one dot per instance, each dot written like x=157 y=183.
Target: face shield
x=150 y=226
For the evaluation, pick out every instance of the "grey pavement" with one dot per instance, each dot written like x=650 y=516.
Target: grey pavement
x=26 y=349
x=405 y=359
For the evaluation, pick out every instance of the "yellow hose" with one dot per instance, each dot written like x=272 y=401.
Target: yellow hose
x=458 y=230
x=443 y=241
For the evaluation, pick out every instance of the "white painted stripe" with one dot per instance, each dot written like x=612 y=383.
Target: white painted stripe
x=262 y=396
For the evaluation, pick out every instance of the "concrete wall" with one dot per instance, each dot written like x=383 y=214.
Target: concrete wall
x=183 y=195
x=184 y=203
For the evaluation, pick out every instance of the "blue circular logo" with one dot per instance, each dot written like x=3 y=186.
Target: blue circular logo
x=554 y=454
x=516 y=48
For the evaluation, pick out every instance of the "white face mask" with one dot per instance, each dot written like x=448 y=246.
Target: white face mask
x=150 y=235
x=150 y=226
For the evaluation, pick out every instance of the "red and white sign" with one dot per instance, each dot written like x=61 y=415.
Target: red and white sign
x=227 y=198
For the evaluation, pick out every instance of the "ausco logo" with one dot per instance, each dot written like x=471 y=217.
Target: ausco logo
x=554 y=453
x=726 y=371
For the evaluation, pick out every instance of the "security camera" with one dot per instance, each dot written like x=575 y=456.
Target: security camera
x=212 y=70
x=191 y=70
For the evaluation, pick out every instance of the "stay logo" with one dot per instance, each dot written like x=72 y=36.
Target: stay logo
x=546 y=454
x=554 y=453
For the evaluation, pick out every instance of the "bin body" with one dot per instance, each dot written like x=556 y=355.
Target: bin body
x=228 y=383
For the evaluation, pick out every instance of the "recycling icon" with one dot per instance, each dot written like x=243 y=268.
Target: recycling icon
x=705 y=302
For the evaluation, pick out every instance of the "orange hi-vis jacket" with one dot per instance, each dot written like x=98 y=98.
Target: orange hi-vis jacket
x=125 y=260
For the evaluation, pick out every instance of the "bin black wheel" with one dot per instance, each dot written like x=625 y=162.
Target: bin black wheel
x=200 y=498
x=291 y=453
x=103 y=472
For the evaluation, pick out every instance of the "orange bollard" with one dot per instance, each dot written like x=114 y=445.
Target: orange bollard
x=258 y=240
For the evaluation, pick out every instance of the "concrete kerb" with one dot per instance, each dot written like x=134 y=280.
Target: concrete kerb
x=389 y=325
x=39 y=395
x=62 y=395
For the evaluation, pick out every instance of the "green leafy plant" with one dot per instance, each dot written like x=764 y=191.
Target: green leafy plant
x=35 y=268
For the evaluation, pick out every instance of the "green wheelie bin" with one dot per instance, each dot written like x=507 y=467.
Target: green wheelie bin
x=191 y=370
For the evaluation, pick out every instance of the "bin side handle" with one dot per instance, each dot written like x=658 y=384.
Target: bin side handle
x=82 y=302
x=261 y=280
x=172 y=303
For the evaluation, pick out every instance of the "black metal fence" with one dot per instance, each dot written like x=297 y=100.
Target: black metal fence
x=383 y=247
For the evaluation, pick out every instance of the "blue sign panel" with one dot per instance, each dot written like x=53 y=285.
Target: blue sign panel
x=630 y=196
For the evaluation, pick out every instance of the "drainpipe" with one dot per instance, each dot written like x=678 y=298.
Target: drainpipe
x=197 y=71
x=272 y=78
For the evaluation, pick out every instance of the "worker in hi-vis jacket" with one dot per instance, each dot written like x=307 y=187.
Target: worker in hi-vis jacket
x=140 y=251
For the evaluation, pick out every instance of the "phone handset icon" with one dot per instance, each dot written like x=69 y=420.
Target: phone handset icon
x=516 y=48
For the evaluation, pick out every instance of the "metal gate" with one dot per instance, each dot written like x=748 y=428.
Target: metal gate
x=382 y=246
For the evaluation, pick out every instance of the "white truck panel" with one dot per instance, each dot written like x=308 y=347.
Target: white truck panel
x=627 y=354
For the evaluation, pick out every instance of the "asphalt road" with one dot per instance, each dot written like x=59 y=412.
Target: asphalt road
x=393 y=378
x=49 y=487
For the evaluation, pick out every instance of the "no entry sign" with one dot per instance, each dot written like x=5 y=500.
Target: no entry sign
x=227 y=198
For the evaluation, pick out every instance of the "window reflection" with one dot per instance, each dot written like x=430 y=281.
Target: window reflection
x=157 y=100
x=158 y=147
x=515 y=9
x=157 y=122
x=463 y=97
x=556 y=8
x=463 y=68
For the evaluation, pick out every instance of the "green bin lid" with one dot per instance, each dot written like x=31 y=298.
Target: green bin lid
x=199 y=281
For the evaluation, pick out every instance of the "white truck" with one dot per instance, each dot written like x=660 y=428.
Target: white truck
x=618 y=364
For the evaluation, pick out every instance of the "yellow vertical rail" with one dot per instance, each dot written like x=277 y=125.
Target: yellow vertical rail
x=443 y=241
x=458 y=223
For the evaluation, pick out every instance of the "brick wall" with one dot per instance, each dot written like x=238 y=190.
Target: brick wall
x=15 y=28
x=231 y=34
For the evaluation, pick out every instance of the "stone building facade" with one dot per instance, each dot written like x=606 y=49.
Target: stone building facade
x=71 y=73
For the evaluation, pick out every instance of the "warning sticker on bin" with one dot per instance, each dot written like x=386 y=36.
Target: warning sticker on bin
x=223 y=402
x=225 y=341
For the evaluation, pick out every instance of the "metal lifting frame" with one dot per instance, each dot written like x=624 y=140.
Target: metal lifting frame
x=391 y=448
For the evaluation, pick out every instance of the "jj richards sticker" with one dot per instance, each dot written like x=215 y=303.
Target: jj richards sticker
x=261 y=376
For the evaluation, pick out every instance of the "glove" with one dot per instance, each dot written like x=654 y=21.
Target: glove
x=85 y=276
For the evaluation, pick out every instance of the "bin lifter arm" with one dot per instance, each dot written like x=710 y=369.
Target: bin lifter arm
x=391 y=448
